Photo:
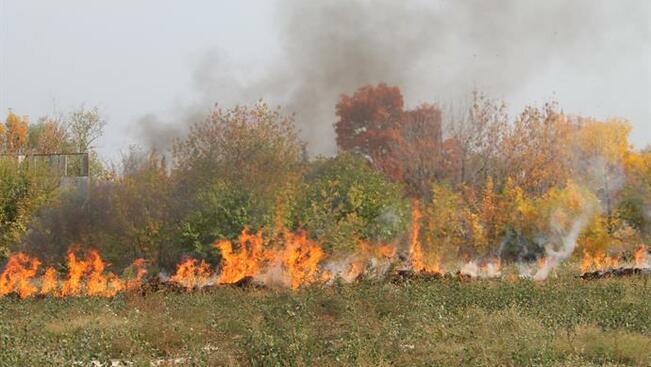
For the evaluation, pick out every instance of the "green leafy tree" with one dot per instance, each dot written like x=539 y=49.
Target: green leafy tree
x=344 y=200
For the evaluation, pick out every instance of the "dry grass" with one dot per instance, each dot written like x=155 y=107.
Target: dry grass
x=562 y=322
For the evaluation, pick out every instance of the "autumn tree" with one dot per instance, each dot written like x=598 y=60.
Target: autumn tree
x=405 y=145
x=446 y=230
x=472 y=152
x=367 y=119
x=15 y=135
x=49 y=136
x=601 y=153
x=414 y=150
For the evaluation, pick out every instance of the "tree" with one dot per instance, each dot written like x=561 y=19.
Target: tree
x=405 y=145
x=537 y=151
x=414 y=154
x=472 y=152
x=48 y=136
x=85 y=126
x=22 y=192
x=16 y=133
x=601 y=153
x=445 y=226
x=367 y=119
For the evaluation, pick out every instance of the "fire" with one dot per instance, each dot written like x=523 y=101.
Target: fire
x=50 y=281
x=640 y=256
x=416 y=255
x=247 y=262
x=17 y=276
x=89 y=272
x=139 y=266
x=297 y=259
x=492 y=268
x=287 y=258
x=192 y=273
x=586 y=261
x=368 y=250
x=301 y=258
x=598 y=261
x=85 y=277
x=386 y=251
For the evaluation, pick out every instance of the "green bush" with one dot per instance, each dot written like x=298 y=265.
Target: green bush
x=344 y=199
x=24 y=188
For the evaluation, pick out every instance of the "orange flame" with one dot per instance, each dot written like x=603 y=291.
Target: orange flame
x=301 y=258
x=640 y=256
x=191 y=273
x=416 y=255
x=247 y=262
x=542 y=262
x=598 y=261
x=85 y=277
x=492 y=268
x=586 y=261
x=139 y=266
x=17 y=276
x=50 y=282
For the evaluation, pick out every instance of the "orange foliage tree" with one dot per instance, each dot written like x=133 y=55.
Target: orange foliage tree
x=16 y=133
x=405 y=145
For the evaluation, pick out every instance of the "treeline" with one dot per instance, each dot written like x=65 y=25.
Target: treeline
x=482 y=184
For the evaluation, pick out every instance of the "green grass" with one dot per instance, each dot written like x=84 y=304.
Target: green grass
x=561 y=322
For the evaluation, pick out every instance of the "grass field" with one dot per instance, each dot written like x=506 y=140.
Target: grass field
x=560 y=322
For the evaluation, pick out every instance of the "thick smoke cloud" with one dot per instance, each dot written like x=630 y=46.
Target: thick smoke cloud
x=435 y=51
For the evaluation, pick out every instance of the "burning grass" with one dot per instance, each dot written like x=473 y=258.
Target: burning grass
x=289 y=260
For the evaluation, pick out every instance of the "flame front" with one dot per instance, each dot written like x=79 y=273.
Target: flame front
x=192 y=273
x=86 y=277
x=640 y=257
x=17 y=276
x=246 y=262
x=288 y=258
x=416 y=254
x=598 y=261
x=298 y=258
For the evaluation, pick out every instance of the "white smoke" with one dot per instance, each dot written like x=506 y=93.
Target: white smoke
x=474 y=270
x=553 y=257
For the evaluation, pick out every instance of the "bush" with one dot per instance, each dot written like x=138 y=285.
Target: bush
x=239 y=168
x=24 y=188
x=344 y=200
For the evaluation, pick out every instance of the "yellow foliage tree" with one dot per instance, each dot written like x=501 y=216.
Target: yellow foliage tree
x=602 y=152
x=444 y=226
x=16 y=134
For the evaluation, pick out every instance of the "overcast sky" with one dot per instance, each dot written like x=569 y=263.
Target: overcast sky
x=148 y=61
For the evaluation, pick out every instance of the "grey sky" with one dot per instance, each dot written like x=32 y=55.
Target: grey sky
x=161 y=59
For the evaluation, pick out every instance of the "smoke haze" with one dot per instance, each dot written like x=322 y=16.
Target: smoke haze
x=435 y=52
